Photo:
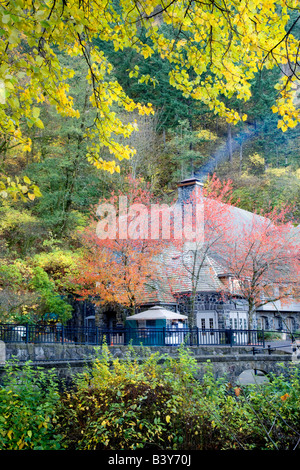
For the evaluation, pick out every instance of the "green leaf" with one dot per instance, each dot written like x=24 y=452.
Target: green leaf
x=79 y=28
x=14 y=37
x=39 y=60
x=35 y=112
x=5 y=19
x=39 y=123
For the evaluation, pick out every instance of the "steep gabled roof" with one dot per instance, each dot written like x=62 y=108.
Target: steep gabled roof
x=174 y=277
x=185 y=271
x=175 y=266
x=157 y=293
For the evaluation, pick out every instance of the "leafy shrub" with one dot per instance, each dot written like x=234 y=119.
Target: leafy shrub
x=160 y=403
x=28 y=399
x=257 y=417
x=156 y=402
x=133 y=405
x=276 y=406
x=272 y=335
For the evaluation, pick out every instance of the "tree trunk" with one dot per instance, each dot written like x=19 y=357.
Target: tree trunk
x=251 y=314
x=241 y=158
x=229 y=142
x=164 y=139
x=191 y=318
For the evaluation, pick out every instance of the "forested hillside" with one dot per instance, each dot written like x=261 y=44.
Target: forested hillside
x=50 y=189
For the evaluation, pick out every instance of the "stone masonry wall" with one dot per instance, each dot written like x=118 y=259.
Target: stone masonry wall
x=226 y=361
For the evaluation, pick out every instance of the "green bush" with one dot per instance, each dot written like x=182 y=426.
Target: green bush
x=156 y=402
x=28 y=399
x=272 y=335
x=276 y=406
x=256 y=417
x=133 y=405
x=160 y=403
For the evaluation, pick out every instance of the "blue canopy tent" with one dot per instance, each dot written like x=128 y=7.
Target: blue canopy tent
x=156 y=326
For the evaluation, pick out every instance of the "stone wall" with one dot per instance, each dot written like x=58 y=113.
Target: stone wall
x=226 y=361
x=50 y=352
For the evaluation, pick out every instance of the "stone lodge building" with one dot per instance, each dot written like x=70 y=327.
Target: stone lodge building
x=217 y=301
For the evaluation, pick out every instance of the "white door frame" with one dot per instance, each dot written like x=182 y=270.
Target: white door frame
x=207 y=319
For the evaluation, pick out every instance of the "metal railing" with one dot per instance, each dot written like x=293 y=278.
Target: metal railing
x=11 y=333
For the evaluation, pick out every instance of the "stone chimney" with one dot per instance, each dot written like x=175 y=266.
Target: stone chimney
x=189 y=198
x=189 y=190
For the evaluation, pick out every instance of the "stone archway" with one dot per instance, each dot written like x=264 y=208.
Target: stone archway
x=109 y=316
x=252 y=376
x=231 y=364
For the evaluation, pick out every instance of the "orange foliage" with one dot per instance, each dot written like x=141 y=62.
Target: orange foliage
x=116 y=269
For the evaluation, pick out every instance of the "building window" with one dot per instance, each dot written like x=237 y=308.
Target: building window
x=236 y=285
x=263 y=322
x=211 y=323
x=290 y=323
x=203 y=323
x=278 y=323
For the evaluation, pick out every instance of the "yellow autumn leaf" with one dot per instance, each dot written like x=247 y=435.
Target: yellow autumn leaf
x=238 y=46
x=37 y=191
x=168 y=418
x=27 y=180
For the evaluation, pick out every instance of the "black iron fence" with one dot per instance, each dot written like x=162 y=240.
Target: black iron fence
x=11 y=333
